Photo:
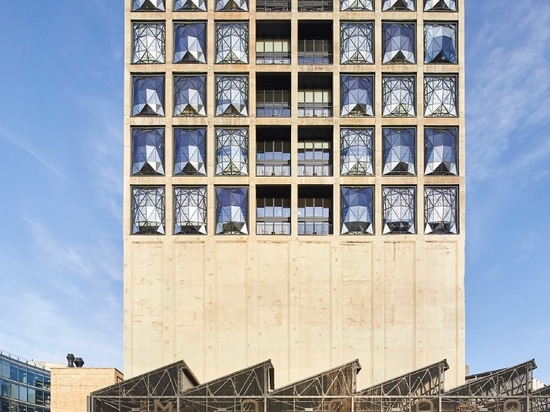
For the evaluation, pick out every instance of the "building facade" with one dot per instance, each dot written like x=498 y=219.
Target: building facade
x=25 y=385
x=294 y=185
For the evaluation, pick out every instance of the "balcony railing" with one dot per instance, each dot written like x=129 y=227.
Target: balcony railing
x=273 y=169
x=314 y=5
x=273 y=58
x=273 y=103
x=272 y=5
x=314 y=110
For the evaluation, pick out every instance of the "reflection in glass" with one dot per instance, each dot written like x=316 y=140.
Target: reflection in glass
x=356 y=151
x=190 y=43
x=148 y=210
x=148 y=96
x=398 y=96
x=356 y=5
x=232 y=5
x=356 y=43
x=190 y=5
x=148 y=5
x=190 y=210
x=357 y=215
x=190 y=96
x=440 y=210
x=232 y=151
x=231 y=210
x=357 y=95
x=440 y=151
x=440 y=43
x=398 y=210
x=232 y=42
x=399 y=151
x=148 y=43
x=398 y=5
x=398 y=43
x=190 y=151
x=231 y=95
x=147 y=151
x=439 y=5
x=440 y=96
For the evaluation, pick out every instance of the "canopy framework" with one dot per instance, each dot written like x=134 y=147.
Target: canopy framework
x=175 y=388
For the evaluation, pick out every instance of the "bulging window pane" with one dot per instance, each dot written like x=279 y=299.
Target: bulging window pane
x=440 y=210
x=190 y=210
x=440 y=96
x=147 y=151
x=148 y=210
x=190 y=151
x=190 y=43
x=231 y=210
x=148 y=43
x=440 y=43
x=148 y=95
x=357 y=210
x=398 y=153
x=398 y=210
x=398 y=43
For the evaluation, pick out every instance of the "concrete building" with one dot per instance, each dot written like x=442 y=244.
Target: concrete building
x=294 y=186
x=71 y=386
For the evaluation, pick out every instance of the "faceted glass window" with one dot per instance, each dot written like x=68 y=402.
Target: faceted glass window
x=356 y=5
x=147 y=151
x=440 y=96
x=439 y=5
x=231 y=95
x=148 y=210
x=231 y=210
x=440 y=151
x=357 y=212
x=148 y=96
x=356 y=43
x=440 y=210
x=398 y=96
x=190 y=210
x=440 y=43
x=149 y=42
x=398 y=5
x=148 y=5
x=398 y=152
x=231 y=42
x=232 y=152
x=190 y=151
x=398 y=210
x=398 y=43
x=190 y=96
x=190 y=43
x=189 y=5
x=357 y=96
x=232 y=5
x=356 y=151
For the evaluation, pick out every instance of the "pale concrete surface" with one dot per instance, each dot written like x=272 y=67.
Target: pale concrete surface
x=71 y=386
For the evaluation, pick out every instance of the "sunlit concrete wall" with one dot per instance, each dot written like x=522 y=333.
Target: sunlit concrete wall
x=70 y=387
x=221 y=303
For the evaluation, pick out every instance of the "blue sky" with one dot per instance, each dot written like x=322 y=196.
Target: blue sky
x=61 y=142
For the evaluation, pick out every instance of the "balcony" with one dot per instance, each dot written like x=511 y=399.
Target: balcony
x=272 y=5
x=314 y=5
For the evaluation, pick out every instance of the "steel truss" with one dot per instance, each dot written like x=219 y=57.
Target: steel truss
x=174 y=388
